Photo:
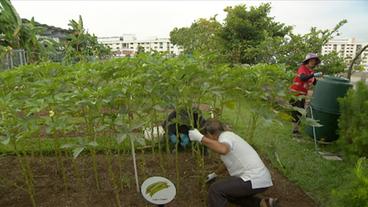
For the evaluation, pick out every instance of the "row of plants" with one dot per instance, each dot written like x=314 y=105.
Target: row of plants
x=114 y=100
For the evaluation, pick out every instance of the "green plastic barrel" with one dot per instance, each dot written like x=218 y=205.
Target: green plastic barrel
x=325 y=107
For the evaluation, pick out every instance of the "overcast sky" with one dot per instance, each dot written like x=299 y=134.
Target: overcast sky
x=158 y=18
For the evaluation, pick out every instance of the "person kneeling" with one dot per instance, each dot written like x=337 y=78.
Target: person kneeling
x=248 y=174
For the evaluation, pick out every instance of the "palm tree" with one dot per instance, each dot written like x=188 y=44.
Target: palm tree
x=11 y=25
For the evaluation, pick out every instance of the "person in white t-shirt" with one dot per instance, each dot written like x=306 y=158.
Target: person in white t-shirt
x=248 y=175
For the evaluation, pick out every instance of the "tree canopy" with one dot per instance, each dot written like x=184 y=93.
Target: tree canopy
x=201 y=36
x=252 y=36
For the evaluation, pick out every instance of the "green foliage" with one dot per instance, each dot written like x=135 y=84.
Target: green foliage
x=357 y=193
x=18 y=34
x=201 y=37
x=293 y=49
x=113 y=96
x=82 y=46
x=30 y=42
x=10 y=25
x=353 y=121
x=359 y=68
x=15 y=34
x=332 y=64
x=244 y=29
x=251 y=36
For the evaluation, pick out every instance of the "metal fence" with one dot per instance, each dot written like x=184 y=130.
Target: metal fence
x=13 y=59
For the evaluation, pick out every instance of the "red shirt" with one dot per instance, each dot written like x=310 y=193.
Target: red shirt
x=299 y=86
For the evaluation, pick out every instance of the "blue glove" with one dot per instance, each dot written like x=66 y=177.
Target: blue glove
x=319 y=74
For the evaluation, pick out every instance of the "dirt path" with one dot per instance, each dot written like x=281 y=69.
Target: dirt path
x=80 y=189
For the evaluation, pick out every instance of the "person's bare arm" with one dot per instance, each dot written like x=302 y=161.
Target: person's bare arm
x=216 y=146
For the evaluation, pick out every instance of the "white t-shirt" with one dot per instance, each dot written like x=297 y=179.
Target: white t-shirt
x=243 y=161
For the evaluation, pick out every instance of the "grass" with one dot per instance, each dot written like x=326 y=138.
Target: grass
x=296 y=160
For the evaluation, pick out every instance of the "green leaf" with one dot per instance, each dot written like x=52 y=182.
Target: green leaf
x=158 y=108
x=267 y=122
x=140 y=140
x=101 y=128
x=230 y=104
x=300 y=110
x=77 y=151
x=5 y=140
x=281 y=93
x=93 y=144
x=285 y=116
x=312 y=122
x=121 y=137
x=66 y=146
x=135 y=126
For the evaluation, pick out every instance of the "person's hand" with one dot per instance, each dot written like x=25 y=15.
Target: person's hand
x=319 y=74
x=195 y=135
x=211 y=176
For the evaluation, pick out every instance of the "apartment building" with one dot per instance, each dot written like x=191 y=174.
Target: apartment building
x=129 y=45
x=347 y=48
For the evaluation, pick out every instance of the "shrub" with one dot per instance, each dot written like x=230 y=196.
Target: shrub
x=355 y=195
x=353 y=122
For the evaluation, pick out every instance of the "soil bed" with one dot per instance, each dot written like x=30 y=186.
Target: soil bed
x=80 y=187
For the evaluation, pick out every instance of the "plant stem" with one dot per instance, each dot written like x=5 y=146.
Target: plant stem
x=94 y=163
x=113 y=181
x=26 y=175
x=134 y=165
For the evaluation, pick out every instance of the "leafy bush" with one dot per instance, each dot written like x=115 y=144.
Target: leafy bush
x=353 y=122
x=357 y=194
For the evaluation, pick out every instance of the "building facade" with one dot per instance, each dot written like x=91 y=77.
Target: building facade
x=347 y=48
x=129 y=45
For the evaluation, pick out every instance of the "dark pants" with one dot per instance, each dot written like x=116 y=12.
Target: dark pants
x=296 y=114
x=234 y=190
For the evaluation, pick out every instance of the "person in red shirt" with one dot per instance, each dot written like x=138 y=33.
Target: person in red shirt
x=305 y=78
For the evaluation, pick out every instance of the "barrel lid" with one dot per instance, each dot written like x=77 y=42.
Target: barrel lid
x=337 y=79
